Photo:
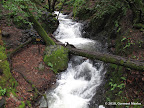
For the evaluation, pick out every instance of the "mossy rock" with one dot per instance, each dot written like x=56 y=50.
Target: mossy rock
x=6 y=78
x=56 y=57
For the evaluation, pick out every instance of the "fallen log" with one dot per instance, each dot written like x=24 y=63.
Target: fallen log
x=109 y=58
x=105 y=57
x=37 y=26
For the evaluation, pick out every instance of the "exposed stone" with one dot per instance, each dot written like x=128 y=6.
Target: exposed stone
x=41 y=67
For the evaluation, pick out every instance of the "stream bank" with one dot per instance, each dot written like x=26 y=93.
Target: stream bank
x=25 y=66
x=81 y=80
x=124 y=39
x=113 y=24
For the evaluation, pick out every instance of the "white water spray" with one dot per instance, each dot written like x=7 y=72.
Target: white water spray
x=77 y=85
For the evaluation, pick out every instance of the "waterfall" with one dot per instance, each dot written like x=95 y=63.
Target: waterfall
x=76 y=86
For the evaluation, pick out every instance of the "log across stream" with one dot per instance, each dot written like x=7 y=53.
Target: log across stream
x=76 y=87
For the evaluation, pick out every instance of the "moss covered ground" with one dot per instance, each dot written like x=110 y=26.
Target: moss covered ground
x=6 y=79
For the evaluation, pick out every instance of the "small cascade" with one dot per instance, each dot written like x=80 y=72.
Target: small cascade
x=77 y=85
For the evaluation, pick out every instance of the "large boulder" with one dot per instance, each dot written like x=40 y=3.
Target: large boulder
x=56 y=57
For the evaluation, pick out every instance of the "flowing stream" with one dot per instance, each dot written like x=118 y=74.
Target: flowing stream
x=76 y=87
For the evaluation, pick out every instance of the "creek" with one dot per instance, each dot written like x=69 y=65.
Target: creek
x=77 y=86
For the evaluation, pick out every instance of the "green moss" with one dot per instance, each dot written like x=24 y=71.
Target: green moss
x=113 y=60
x=6 y=80
x=103 y=59
x=56 y=57
x=121 y=62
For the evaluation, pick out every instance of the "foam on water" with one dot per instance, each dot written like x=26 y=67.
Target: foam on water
x=77 y=85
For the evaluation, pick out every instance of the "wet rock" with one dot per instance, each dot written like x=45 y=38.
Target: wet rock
x=70 y=15
x=30 y=33
x=5 y=34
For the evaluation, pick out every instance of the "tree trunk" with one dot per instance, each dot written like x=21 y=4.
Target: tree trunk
x=38 y=27
x=109 y=58
x=53 y=5
x=49 y=4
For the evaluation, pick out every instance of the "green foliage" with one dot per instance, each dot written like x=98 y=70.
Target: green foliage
x=123 y=78
x=50 y=64
x=124 y=44
x=117 y=26
x=140 y=42
x=52 y=67
x=76 y=5
x=116 y=84
x=16 y=7
x=22 y=23
x=127 y=41
x=61 y=2
x=114 y=66
x=28 y=103
x=104 y=17
x=22 y=105
x=113 y=85
x=84 y=13
x=108 y=7
x=2 y=91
